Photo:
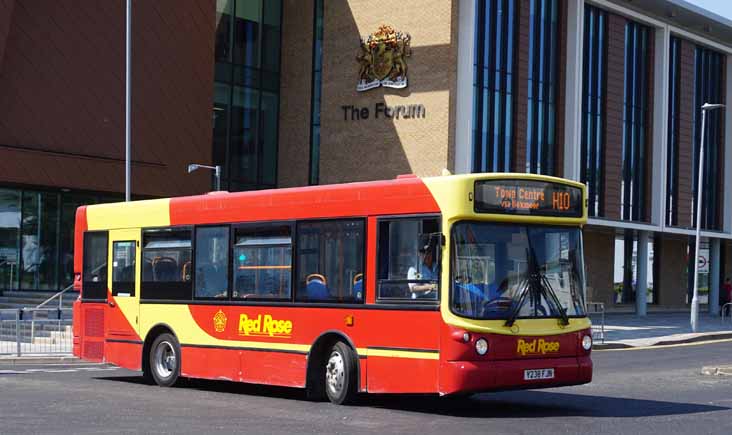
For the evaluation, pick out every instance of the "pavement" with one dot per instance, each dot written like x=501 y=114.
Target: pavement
x=656 y=329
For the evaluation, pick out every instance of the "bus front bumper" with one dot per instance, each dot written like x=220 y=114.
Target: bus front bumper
x=495 y=375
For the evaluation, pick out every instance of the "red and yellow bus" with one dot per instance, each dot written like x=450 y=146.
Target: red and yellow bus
x=448 y=285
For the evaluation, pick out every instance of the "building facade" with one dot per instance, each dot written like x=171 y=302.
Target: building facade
x=607 y=92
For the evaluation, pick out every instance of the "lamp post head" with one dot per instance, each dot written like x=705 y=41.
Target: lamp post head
x=192 y=167
x=708 y=106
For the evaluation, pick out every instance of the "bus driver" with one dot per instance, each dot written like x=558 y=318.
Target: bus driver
x=428 y=271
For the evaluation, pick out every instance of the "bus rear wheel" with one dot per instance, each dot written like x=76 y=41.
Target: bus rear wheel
x=340 y=374
x=165 y=360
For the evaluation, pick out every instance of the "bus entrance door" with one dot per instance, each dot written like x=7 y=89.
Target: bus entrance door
x=123 y=343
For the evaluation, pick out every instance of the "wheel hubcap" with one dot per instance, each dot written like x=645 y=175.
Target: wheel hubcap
x=335 y=373
x=165 y=360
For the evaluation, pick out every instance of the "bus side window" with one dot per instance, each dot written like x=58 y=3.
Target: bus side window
x=123 y=268
x=212 y=262
x=262 y=262
x=94 y=273
x=408 y=259
x=330 y=261
x=166 y=256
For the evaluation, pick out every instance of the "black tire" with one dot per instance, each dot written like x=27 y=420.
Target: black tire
x=339 y=374
x=164 y=360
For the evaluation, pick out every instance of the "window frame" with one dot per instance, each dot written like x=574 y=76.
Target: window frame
x=404 y=301
x=194 y=260
x=84 y=283
x=364 y=260
x=292 y=224
x=145 y=231
x=130 y=292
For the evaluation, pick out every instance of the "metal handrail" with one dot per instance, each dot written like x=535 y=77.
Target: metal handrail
x=59 y=295
x=598 y=308
x=726 y=308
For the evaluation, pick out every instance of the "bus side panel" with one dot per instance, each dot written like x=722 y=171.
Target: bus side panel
x=92 y=332
x=76 y=327
x=274 y=368
x=402 y=375
x=124 y=354
x=210 y=363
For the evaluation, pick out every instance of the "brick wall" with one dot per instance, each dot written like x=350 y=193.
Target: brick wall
x=295 y=93
x=6 y=12
x=599 y=259
x=686 y=131
x=522 y=91
x=62 y=95
x=672 y=279
x=613 y=158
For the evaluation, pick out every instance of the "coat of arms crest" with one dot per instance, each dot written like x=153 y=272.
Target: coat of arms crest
x=383 y=59
x=219 y=320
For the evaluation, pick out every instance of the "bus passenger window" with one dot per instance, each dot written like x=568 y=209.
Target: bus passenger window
x=263 y=262
x=408 y=256
x=166 y=268
x=330 y=261
x=212 y=262
x=94 y=272
x=123 y=268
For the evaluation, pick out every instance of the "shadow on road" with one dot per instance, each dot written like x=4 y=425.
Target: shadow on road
x=511 y=404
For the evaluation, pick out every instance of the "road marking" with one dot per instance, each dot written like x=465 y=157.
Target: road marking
x=56 y=370
x=667 y=346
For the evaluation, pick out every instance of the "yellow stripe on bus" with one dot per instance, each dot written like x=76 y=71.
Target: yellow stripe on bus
x=393 y=353
x=136 y=214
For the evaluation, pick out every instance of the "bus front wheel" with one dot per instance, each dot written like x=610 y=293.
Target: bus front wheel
x=165 y=360
x=340 y=374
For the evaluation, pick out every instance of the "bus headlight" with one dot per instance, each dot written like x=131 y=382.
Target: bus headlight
x=587 y=342
x=481 y=346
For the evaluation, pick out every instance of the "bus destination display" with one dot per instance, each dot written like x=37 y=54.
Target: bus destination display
x=528 y=197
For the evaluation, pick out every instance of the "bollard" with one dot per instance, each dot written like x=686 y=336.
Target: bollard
x=17 y=331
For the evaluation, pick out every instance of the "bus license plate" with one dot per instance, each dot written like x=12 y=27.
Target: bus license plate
x=530 y=375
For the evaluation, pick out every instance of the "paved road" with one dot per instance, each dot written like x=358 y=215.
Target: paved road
x=658 y=391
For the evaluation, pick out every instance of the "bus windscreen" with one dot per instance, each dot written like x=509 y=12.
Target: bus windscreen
x=528 y=197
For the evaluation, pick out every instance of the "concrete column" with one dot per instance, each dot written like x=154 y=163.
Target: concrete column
x=727 y=189
x=641 y=282
x=714 y=253
x=573 y=88
x=660 y=122
x=464 y=108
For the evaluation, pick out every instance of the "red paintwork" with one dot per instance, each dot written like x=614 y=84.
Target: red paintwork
x=355 y=199
x=79 y=229
x=403 y=375
x=127 y=355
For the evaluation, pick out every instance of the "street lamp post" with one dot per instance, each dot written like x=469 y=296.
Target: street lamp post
x=217 y=172
x=695 y=298
x=128 y=84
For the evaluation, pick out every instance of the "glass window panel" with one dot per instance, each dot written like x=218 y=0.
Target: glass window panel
x=69 y=203
x=166 y=264
x=408 y=259
x=269 y=142
x=9 y=238
x=224 y=12
x=39 y=247
x=246 y=33
x=263 y=263
x=212 y=262
x=123 y=268
x=94 y=271
x=330 y=261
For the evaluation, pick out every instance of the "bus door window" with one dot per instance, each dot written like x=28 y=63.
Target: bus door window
x=166 y=269
x=408 y=258
x=123 y=268
x=212 y=261
x=94 y=273
x=263 y=263
x=330 y=261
